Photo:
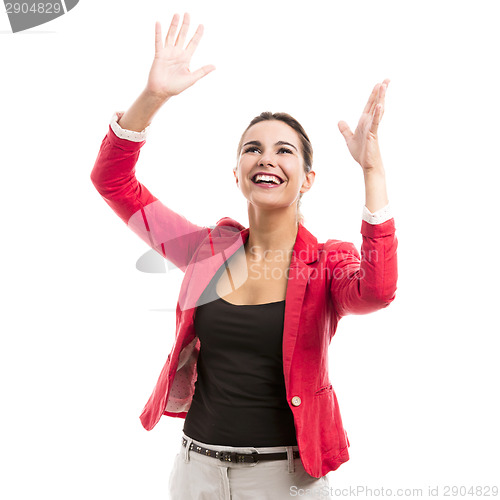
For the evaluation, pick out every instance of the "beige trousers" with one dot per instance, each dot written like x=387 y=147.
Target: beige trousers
x=198 y=477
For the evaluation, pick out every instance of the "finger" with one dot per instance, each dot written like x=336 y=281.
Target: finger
x=376 y=118
x=204 y=71
x=377 y=99
x=381 y=95
x=369 y=104
x=193 y=43
x=385 y=85
x=345 y=130
x=158 y=44
x=172 y=30
x=183 y=32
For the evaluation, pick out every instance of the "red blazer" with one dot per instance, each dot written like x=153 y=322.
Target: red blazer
x=326 y=281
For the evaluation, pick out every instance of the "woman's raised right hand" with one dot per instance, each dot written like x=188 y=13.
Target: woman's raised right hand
x=169 y=74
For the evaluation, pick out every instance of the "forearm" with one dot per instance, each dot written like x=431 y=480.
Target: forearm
x=142 y=111
x=114 y=178
x=375 y=188
x=166 y=231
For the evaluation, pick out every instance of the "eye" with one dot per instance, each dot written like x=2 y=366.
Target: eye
x=254 y=148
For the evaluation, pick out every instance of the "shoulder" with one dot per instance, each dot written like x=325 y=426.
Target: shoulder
x=228 y=221
x=335 y=250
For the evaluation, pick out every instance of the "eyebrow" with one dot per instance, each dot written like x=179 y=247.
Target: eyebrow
x=279 y=143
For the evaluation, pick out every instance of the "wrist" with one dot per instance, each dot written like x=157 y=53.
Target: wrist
x=155 y=98
x=374 y=170
x=141 y=113
x=375 y=189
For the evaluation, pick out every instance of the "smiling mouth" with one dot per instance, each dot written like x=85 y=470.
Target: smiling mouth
x=269 y=183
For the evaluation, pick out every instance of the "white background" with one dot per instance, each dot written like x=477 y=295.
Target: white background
x=83 y=334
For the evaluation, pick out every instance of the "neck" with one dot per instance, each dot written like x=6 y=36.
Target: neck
x=271 y=230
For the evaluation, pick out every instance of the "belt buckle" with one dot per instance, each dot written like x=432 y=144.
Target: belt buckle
x=254 y=454
x=227 y=456
x=231 y=456
x=241 y=458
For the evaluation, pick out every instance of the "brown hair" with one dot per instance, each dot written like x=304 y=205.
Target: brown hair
x=307 y=150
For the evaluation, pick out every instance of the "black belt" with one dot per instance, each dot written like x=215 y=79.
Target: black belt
x=232 y=456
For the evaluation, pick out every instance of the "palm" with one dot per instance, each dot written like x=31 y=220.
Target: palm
x=170 y=74
x=363 y=143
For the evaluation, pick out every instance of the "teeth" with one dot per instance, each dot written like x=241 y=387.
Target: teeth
x=272 y=178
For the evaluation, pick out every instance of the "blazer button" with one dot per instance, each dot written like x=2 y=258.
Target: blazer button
x=296 y=401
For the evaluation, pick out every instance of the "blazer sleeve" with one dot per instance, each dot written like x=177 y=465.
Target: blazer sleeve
x=364 y=283
x=113 y=175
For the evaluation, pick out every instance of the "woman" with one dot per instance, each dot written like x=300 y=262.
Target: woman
x=258 y=306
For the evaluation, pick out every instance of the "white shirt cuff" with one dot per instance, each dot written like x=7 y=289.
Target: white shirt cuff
x=381 y=215
x=130 y=135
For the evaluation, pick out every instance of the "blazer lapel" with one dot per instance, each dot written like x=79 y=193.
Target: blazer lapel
x=305 y=251
x=216 y=248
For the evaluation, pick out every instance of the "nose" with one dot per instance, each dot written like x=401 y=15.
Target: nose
x=266 y=159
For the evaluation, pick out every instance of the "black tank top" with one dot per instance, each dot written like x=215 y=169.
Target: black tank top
x=240 y=396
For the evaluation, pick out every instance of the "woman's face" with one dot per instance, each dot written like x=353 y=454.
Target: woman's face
x=272 y=146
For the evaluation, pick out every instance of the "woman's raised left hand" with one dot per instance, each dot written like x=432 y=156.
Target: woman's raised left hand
x=363 y=144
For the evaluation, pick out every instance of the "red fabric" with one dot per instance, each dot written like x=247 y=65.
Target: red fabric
x=326 y=281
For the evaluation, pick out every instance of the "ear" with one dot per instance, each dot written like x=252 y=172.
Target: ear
x=308 y=182
x=235 y=172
